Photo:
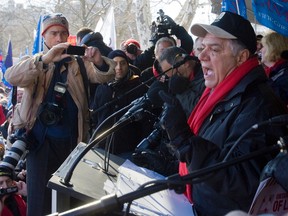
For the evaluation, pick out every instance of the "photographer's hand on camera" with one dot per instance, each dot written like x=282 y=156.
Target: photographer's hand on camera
x=22 y=188
x=174 y=121
x=56 y=53
x=94 y=55
x=169 y=21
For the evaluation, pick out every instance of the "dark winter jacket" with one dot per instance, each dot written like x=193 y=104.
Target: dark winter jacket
x=278 y=80
x=250 y=102
x=125 y=139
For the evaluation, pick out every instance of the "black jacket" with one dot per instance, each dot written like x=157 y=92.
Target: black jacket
x=250 y=102
x=278 y=79
x=125 y=139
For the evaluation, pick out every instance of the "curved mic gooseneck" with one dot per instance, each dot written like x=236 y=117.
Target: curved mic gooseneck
x=135 y=113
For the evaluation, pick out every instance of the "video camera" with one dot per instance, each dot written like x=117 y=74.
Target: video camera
x=162 y=26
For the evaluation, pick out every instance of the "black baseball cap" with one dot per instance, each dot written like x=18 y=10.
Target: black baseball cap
x=229 y=25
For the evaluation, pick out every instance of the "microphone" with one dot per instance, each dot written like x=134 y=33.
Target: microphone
x=186 y=57
x=149 y=101
x=277 y=120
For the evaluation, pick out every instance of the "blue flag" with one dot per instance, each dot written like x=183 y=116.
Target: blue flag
x=235 y=6
x=272 y=14
x=38 y=39
x=8 y=62
x=9 y=58
x=1 y=64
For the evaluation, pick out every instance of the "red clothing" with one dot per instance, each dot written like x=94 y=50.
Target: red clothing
x=2 y=115
x=21 y=206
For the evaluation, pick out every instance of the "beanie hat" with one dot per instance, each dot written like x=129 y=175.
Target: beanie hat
x=55 y=19
x=90 y=37
x=118 y=53
x=6 y=172
x=229 y=26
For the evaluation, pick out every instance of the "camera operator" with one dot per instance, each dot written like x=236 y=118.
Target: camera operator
x=163 y=27
x=11 y=192
x=53 y=115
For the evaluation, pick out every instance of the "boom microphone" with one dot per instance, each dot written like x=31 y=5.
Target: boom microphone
x=186 y=57
x=149 y=101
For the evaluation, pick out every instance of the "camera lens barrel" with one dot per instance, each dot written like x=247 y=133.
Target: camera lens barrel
x=13 y=155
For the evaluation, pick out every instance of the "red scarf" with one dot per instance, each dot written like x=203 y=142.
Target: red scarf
x=209 y=100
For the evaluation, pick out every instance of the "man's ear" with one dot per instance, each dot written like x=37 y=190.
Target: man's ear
x=243 y=56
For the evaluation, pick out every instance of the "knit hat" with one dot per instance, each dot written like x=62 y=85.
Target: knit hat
x=6 y=172
x=118 y=53
x=229 y=26
x=55 y=19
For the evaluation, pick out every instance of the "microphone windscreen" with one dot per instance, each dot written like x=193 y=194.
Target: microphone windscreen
x=153 y=93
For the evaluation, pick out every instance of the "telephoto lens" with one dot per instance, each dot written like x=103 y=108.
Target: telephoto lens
x=19 y=146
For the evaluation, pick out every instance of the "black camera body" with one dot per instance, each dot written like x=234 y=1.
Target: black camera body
x=50 y=113
x=132 y=49
x=162 y=26
x=9 y=190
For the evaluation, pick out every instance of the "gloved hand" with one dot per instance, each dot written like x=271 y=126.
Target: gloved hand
x=169 y=21
x=277 y=168
x=174 y=121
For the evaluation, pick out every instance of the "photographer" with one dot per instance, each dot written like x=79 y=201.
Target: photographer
x=163 y=27
x=53 y=115
x=11 y=202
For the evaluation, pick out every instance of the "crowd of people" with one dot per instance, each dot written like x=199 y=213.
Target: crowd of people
x=204 y=95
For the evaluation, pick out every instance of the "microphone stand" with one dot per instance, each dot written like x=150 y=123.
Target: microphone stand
x=66 y=170
x=80 y=151
x=112 y=203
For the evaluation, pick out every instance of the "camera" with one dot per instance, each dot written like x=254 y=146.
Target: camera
x=49 y=114
x=162 y=26
x=9 y=190
x=76 y=50
x=151 y=141
x=132 y=49
x=20 y=141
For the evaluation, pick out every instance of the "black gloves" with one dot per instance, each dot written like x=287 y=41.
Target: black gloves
x=174 y=121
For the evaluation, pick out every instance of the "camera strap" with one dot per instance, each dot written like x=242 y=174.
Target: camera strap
x=86 y=87
x=84 y=77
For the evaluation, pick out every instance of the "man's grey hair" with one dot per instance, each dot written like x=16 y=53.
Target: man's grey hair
x=236 y=46
x=171 y=55
x=164 y=39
